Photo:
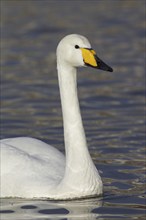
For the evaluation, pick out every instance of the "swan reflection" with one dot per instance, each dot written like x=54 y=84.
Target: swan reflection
x=37 y=209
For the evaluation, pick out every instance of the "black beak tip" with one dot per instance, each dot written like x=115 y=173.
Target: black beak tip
x=103 y=66
x=110 y=69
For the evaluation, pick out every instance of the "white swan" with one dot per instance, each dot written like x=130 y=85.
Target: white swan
x=31 y=168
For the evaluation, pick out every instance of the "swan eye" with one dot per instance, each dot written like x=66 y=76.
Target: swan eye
x=77 y=47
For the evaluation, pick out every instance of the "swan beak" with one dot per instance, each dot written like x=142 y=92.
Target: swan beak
x=90 y=59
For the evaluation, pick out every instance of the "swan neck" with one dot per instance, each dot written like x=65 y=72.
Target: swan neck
x=80 y=172
x=73 y=127
x=74 y=135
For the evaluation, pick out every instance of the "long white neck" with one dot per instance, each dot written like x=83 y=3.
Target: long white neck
x=79 y=166
x=74 y=136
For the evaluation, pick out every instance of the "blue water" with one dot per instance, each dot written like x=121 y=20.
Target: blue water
x=112 y=104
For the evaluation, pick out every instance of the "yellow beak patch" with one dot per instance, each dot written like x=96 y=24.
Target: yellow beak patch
x=89 y=56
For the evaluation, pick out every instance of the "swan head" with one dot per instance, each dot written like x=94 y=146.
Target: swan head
x=75 y=50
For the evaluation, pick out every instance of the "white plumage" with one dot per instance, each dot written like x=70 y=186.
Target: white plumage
x=31 y=168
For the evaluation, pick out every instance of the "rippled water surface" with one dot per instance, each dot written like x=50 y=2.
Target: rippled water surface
x=112 y=104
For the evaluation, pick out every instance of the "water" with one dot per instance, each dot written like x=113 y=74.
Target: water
x=112 y=104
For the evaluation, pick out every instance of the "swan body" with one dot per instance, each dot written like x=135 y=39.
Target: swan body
x=31 y=168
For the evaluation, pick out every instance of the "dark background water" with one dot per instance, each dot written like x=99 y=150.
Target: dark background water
x=112 y=104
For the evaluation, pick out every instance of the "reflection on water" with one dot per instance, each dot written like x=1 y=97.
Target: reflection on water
x=112 y=104
x=95 y=208
x=84 y=209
